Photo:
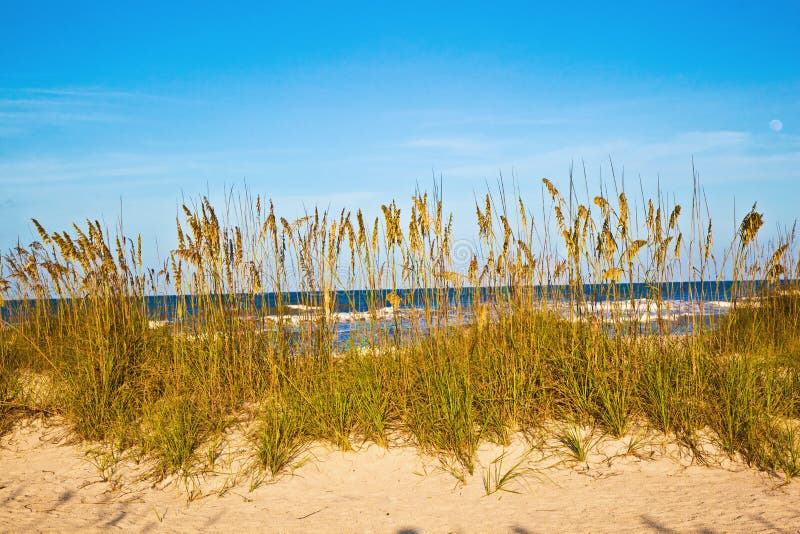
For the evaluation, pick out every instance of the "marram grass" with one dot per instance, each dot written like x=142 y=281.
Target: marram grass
x=513 y=362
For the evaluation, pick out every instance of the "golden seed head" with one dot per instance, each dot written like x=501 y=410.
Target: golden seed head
x=634 y=249
x=551 y=188
x=673 y=218
x=750 y=226
x=602 y=203
x=709 y=243
x=614 y=274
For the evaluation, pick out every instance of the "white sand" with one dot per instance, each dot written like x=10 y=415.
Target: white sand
x=48 y=484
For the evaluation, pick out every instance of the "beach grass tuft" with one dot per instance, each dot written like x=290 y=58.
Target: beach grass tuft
x=569 y=325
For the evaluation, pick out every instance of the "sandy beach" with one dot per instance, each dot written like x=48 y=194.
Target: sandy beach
x=518 y=267
x=50 y=484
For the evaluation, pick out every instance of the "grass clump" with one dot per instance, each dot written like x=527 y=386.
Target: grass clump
x=9 y=388
x=567 y=318
x=495 y=478
x=174 y=429
x=279 y=438
x=440 y=414
x=671 y=389
x=576 y=442
x=784 y=450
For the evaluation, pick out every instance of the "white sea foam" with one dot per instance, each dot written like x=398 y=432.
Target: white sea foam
x=303 y=307
x=313 y=313
x=641 y=310
x=649 y=310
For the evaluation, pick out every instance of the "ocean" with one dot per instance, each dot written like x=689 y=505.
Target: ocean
x=358 y=312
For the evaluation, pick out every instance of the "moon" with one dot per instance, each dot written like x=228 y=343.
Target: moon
x=775 y=125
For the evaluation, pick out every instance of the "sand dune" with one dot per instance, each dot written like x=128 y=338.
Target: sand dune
x=46 y=483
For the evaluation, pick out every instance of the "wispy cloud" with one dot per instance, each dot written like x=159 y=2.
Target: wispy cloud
x=456 y=144
x=721 y=155
x=494 y=120
x=53 y=117
x=130 y=168
x=53 y=170
x=347 y=198
x=698 y=143
x=100 y=94
x=24 y=110
x=85 y=92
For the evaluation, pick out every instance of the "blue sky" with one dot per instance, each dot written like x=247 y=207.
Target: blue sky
x=106 y=105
